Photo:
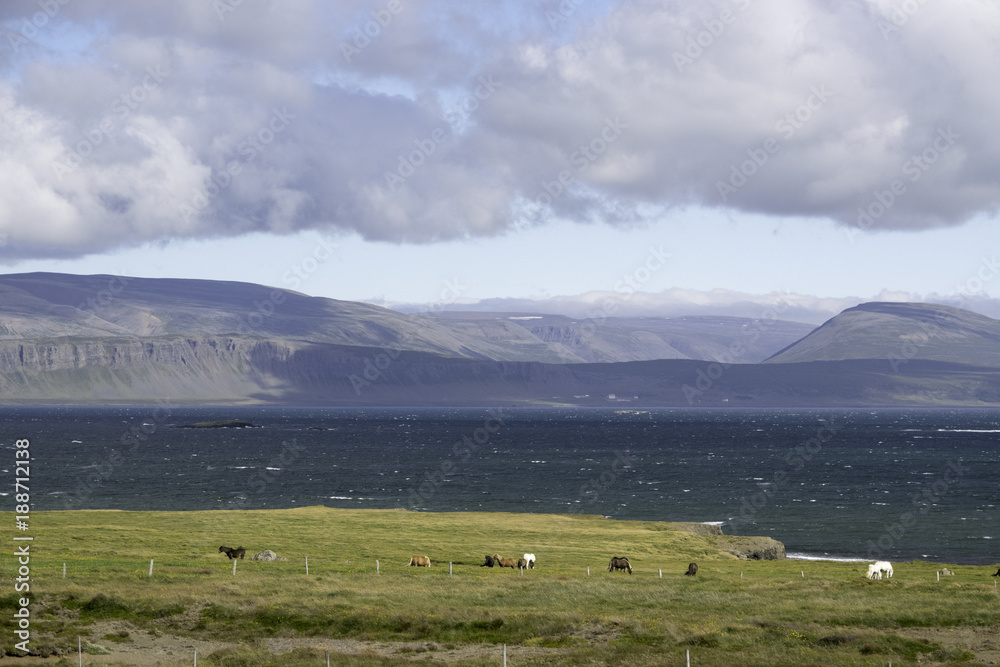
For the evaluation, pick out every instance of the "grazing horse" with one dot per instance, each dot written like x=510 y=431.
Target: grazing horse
x=420 y=561
x=876 y=569
x=619 y=564
x=239 y=552
x=505 y=562
x=521 y=563
x=998 y=573
x=489 y=561
x=692 y=570
x=531 y=560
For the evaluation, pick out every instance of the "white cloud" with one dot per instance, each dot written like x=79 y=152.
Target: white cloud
x=783 y=108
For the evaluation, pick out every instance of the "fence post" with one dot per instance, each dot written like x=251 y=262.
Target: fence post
x=79 y=649
x=661 y=573
x=449 y=569
x=307 y=564
x=687 y=653
x=234 y=567
x=588 y=570
x=151 y=567
x=196 y=658
x=377 y=571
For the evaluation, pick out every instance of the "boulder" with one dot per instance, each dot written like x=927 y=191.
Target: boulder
x=945 y=572
x=267 y=555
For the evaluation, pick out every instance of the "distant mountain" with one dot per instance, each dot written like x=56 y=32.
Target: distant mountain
x=613 y=339
x=897 y=333
x=103 y=339
x=46 y=305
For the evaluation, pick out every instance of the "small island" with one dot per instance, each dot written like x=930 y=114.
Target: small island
x=223 y=423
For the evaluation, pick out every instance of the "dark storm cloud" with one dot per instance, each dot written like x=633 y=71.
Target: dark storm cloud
x=419 y=120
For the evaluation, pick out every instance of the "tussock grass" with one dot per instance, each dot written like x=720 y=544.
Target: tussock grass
x=769 y=616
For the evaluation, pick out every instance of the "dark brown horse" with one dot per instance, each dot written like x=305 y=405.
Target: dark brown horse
x=692 y=570
x=239 y=552
x=489 y=561
x=619 y=564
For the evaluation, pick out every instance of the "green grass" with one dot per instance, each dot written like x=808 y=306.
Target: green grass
x=771 y=615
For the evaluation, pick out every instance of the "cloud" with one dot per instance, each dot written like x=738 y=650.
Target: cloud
x=420 y=120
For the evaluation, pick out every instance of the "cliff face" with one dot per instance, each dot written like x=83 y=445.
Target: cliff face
x=186 y=368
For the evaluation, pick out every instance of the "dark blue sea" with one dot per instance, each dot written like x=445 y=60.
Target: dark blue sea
x=892 y=484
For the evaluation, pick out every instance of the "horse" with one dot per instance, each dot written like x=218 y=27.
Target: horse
x=505 y=562
x=692 y=570
x=233 y=553
x=531 y=560
x=619 y=564
x=876 y=569
x=489 y=561
x=998 y=573
x=420 y=561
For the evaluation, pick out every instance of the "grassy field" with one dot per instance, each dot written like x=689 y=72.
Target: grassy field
x=734 y=612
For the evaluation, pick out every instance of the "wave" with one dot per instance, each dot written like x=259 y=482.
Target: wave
x=968 y=430
x=795 y=555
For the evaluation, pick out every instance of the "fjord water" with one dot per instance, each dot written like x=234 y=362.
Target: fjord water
x=829 y=483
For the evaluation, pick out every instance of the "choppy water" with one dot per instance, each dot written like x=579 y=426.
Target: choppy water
x=897 y=484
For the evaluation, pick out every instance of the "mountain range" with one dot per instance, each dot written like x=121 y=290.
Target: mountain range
x=113 y=339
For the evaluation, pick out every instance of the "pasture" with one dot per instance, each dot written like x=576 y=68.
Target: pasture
x=554 y=614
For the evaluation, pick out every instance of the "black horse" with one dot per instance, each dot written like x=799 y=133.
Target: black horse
x=692 y=570
x=489 y=561
x=233 y=553
x=619 y=564
x=998 y=573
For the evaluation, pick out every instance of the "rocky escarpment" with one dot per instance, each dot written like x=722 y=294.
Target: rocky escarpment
x=751 y=548
x=161 y=368
x=746 y=548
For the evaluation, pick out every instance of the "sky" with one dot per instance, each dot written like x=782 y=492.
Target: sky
x=675 y=156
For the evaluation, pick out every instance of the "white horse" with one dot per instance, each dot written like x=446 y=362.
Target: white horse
x=876 y=569
x=531 y=560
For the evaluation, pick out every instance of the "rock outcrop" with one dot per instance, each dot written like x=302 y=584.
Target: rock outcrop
x=751 y=548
